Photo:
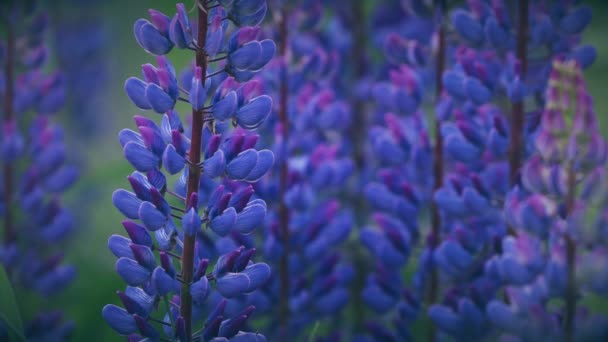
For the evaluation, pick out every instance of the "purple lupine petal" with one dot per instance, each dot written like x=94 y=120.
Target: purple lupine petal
x=231 y=285
x=158 y=99
x=137 y=233
x=140 y=157
x=119 y=245
x=264 y=163
x=242 y=164
x=132 y=272
x=200 y=290
x=151 y=217
x=119 y=319
x=252 y=114
x=250 y=218
x=136 y=91
x=172 y=161
x=223 y=224
x=150 y=39
x=246 y=55
x=467 y=26
x=226 y=107
x=163 y=282
x=191 y=222
x=576 y=21
x=258 y=275
x=215 y=165
x=144 y=256
x=127 y=203
x=268 y=49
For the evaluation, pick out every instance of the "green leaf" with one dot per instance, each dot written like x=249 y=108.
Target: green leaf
x=9 y=311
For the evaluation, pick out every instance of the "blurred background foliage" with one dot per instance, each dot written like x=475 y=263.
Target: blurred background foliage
x=103 y=168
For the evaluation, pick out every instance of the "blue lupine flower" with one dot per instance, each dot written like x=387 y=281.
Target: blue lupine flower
x=212 y=189
x=36 y=171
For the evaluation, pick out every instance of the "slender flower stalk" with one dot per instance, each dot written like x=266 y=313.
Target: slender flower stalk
x=9 y=94
x=434 y=237
x=283 y=175
x=516 y=142
x=571 y=288
x=194 y=172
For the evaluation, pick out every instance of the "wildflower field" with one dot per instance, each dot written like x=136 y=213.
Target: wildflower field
x=308 y=170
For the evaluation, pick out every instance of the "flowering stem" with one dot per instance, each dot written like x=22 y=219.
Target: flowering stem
x=283 y=211
x=517 y=114
x=570 y=296
x=360 y=121
x=358 y=133
x=194 y=175
x=9 y=233
x=438 y=160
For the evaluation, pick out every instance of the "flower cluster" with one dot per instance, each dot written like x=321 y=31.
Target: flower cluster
x=306 y=224
x=470 y=234
x=216 y=160
x=35 y=170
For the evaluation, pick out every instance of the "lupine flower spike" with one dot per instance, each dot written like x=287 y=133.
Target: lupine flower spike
x=189 y=245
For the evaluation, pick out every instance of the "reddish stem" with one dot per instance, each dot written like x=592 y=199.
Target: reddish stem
x=570 y=296
x=283 y=210
x=194 y=176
